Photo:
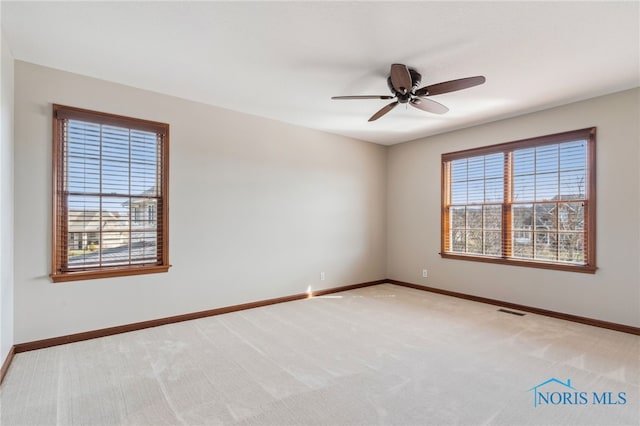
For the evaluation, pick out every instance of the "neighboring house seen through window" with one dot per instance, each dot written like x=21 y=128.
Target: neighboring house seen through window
x=528 y=203
x=109 y=174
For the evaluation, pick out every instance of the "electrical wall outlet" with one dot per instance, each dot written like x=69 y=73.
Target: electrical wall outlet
x=321 y=276
x=425 y=273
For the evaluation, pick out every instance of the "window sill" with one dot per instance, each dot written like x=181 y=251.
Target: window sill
x=586 y=269
x=107 y=273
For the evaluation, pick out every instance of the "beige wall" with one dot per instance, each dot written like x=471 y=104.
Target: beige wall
x=6 y=200
x=258 y=210
x=612 y=294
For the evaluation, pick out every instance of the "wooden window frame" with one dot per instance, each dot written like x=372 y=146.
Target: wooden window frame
x=59 y=254
x=588 y=134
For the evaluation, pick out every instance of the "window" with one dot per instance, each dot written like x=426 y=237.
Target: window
x=135 y=215
x=528 y=203
x=151 y=214
x=108 y=171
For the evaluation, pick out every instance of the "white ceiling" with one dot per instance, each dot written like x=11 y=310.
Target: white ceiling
x=284 y=60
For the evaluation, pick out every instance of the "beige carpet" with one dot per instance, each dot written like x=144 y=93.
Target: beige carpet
x=377 y=355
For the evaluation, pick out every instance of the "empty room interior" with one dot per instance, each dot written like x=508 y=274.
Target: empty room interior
x=320 y=212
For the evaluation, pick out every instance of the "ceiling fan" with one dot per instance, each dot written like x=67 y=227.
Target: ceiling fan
x=403 y=83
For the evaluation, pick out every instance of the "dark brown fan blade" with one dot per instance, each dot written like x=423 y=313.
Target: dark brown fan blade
x=400 y=78
x=429 y=106
x=450 y=86
x=363 y=97
x=383 y=111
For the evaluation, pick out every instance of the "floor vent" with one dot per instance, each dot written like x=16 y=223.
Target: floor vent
x=506 y=311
